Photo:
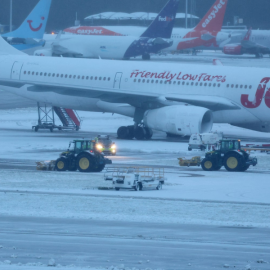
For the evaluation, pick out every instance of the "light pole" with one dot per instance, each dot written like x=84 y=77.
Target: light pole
x=186 y=13
x=10 y=26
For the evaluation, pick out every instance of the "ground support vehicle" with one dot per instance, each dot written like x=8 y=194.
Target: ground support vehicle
x=46 y=165
x=83 y=156
x=205 y=141
x=192 y=162
x=138 y=178
x=105 y=145
x=230 y=155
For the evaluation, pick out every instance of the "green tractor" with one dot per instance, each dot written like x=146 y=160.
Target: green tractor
x=83 y=156
x=230 y=155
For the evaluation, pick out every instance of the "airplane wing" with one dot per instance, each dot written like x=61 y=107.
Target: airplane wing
x=134 y=98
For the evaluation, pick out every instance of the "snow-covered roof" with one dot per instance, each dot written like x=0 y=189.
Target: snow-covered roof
x=133 y=16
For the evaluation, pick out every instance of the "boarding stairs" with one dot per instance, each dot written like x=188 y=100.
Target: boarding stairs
x=46 y=120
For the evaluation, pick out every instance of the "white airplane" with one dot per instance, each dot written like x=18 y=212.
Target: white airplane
x=154 y=39
x=254 y=42
x=206 y=35
x=170 y=97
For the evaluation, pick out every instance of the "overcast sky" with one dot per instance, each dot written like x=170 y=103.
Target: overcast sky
x=254 y=12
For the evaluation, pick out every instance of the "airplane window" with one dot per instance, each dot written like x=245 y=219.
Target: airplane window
x=236 y=86
x=24 y=72
x=183 y=83
x=104 y=79
x=192 y=83
x=174 y=82
x=139 y=80
x=109 y=79
x=82 y=77
x=135 y=80
x=179 y=83
x=165 y=82
x=152 y=81
x=70 y=76
x=36 y=73
x=100 y=78
x=201 y=84
x=53 y=75
x=143 y=80
x=74 y=76
x=196 y=84
x=170 y=82
x=87 y=78
x=245 y=86
x=45 y=74
x=79 y=77
x=95 y=78
x=148 y=81
x=232 y=85
x=250 y=86
x=49 y=74
x=241 y=86
x=205 y=84
x=91 y=78
x=57 y=75
x=218 y=85
x=156 y=81
x=28 y=72
x=33 y=73
x=228 y=85
x=214 y=85
x=161 y=81
x=41 y=73
x=187 y=83
x=62 y=75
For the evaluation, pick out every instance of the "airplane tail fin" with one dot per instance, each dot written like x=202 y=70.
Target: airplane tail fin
x=213 y=20
x=163 y=25
x=35 y=24
x=7 y=49
x=248 y=34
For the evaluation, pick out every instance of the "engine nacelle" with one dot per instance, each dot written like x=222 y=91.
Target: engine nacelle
x=180 y=120
x=43 y=53
x=222 y=37
x=233 y=49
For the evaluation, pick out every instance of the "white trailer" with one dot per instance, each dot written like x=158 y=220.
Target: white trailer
x=205 y=141
x=138 y=178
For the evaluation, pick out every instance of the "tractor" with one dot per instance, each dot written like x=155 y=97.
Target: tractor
x=230 y=155
x=83 y=156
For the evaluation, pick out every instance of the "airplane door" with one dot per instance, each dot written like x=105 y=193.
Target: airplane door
x=16 y=70
x=117 y=80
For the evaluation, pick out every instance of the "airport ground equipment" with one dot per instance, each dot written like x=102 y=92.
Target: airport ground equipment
x=105 y=145
x=83 y=156
x=46 y=118
x=192 y=162
x=136 y=178
x=205 y=141
x=46 y=165
x=230 y=155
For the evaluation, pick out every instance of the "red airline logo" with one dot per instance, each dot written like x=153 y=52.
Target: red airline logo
x=258 y=96
x=35 y=29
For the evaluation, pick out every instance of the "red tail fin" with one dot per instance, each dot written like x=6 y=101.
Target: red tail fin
x=213 y=20
x=247 y=36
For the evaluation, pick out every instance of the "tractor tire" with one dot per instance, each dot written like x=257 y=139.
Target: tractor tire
x=61 y=164
x=217 y=168
x=208 y=165
x=233 y=162
x=100 y=168
x=244 y=168
x=85 y=163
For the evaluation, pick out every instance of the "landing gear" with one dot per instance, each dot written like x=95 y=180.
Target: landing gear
x=130 y=132
x=146 y=57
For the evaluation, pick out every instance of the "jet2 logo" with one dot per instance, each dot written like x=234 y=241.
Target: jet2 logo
x=258 y=96
x=215 y=11
x=165 y=19
x=35 y=29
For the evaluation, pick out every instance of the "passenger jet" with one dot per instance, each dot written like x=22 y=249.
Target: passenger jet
x=170 y=97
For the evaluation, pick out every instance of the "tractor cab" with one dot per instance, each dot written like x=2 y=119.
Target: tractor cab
x=77 y=146
x=230 y=145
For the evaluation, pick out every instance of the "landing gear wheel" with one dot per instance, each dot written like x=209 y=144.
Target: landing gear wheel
x=131 y=132
x=36 y=129
x=208 y=165
x=61 y=164
x=232 y=162
x=140 y=133
x=159 y=186
x=122 y=132
x=149 y=133
x=85 y=163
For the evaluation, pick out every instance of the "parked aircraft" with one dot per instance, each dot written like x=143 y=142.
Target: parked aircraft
x=154 y=39
x=257 y=43
x=29 y=36
x=171 y=97
x=206 y=35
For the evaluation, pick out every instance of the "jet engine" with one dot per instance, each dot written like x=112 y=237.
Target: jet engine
x=43 y=53
x=233 y=49
x=180 y=120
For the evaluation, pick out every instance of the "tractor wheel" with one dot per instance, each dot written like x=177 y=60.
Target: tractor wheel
x=99 y=168
x=208 y=165
x=217 y=168
x=244 y=168
x=61 y=164
x=85 y=163
x=233 y=162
